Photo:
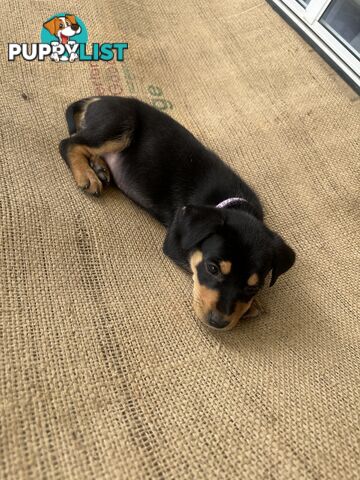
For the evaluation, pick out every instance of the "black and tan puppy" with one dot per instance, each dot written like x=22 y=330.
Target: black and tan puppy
x=214 y=220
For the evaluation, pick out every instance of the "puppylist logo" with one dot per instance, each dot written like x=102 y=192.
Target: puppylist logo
x=64 y=39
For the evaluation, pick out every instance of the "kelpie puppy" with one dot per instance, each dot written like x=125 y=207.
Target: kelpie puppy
x=214 y=220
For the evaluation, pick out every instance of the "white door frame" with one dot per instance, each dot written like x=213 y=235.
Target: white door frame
x=307 y=19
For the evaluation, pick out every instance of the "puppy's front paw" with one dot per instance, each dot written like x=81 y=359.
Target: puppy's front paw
x=87 y=180
x=254 y=311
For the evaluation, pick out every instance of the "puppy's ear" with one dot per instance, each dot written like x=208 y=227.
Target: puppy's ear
x=283 y=258
x=189 y=227
x=71 y=18
x=51 y=25
x=197 y=223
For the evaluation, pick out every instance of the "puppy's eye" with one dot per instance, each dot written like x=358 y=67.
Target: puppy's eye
x=212 y=268
x=61 y=25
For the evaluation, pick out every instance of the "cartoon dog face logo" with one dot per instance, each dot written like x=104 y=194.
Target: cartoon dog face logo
x=63 y=27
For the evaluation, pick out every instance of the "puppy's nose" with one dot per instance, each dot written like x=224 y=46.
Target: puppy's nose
x=216 y=320
x=74 y=26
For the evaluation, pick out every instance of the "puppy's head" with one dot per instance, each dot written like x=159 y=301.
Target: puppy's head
x=230 y=254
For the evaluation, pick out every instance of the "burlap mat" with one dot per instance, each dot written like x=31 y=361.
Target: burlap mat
x=104 y=371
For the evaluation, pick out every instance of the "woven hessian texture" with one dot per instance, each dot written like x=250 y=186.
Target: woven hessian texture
x=104 y=371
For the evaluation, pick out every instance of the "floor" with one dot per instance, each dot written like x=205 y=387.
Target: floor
x=104 y=370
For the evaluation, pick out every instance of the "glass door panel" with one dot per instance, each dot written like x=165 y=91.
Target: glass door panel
x=342 y=19
x=333 y=26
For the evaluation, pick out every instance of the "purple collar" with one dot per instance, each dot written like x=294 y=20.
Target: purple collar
x=230 y=201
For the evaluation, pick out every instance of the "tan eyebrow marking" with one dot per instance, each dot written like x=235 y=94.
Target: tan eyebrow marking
x=253 y=279
x=195 y=259
x=225 y=267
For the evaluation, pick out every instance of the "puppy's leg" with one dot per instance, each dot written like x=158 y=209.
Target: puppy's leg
x=77 y=157
x=80 y=157
x=97 y=126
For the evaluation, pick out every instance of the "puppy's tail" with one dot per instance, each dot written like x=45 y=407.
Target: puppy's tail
x=70 y=115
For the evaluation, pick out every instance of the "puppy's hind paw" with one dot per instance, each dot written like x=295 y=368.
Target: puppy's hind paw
x=88 y=181
x=101 y=169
